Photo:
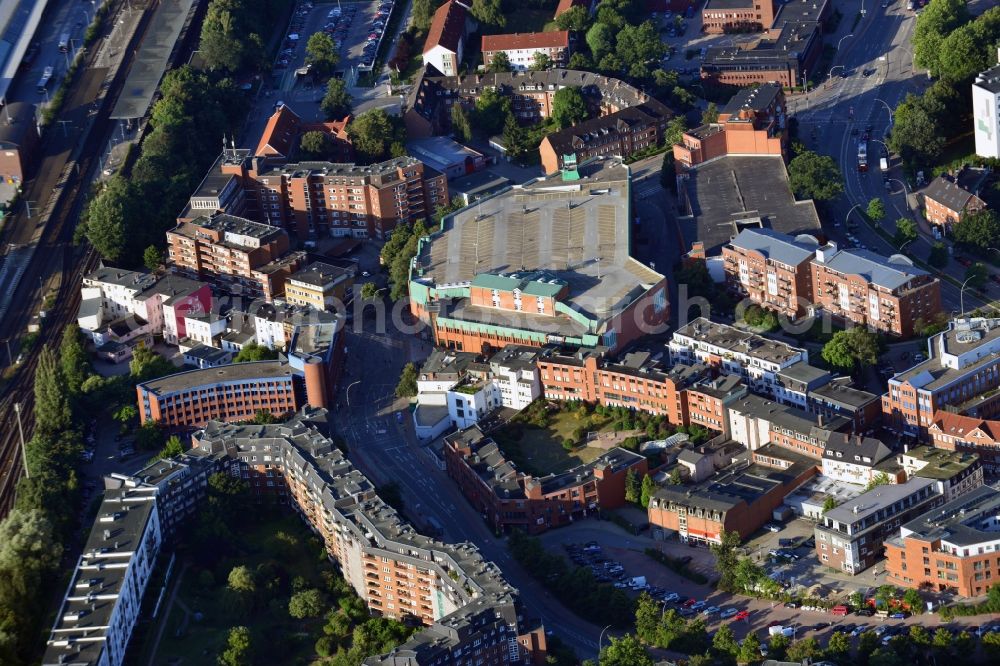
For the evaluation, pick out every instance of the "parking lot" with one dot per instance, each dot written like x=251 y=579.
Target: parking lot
x=687 y=36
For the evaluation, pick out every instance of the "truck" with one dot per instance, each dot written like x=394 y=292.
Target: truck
x=778 y=629
x=883 y=163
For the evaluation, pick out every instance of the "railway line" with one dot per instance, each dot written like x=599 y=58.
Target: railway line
x=70 y=162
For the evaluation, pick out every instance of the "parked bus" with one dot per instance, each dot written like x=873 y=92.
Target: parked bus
x=43 y=83
x=64 y=43
x=862 y=156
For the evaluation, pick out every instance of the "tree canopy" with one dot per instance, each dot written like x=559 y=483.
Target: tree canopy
x=568 y=107
x=979 y=230
x=336 y=103
x=407 y=386
x=813 y=176
x=851 y=349
x=252 y=351
x=937 y=20
x=377 y=136
x=321 y=53
x=315 y=145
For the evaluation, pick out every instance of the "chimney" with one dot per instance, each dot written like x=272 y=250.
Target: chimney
x=819 y=420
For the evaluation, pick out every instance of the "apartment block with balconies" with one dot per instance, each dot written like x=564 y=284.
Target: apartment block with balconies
x=771 y=269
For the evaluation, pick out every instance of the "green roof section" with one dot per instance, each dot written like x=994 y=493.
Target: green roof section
x=533 y=284
x=500 y=283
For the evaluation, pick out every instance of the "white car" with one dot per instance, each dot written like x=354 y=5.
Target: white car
x=728 y=613
x=673 y=596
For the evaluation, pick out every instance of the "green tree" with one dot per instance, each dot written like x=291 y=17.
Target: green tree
x=251 y=352
x=568 y=107
x=106 y=218
x=336 y=103
x=726 y=559
x=172 y=448
x=675 y=130
x=675 y=477
x=710 y=114
x=500 y=62
x=980 y=229
x=943 y=640
x=991 y=644
x=876 y=210
x=625 y=651
x=640 y=47
x=221 y=46
x=646 y=493
x=939 y=255
x=315 y=145
x=749 y=649
x=373 y=135
x=913 y=601
x=74 y=362
x=489 y=12
x=813 y=176
x=880 y=479
x=541 y=61
x=805 y=648
x=239 y=648
x=778 y=647
x=460 y=124
x=964 y=52
x=575 y=18
x=150 y=436
x=919 y=636
x=838 y=648
x=263 y=417
x=601 y=40
x=52 y=408
x=829 y=503
x=407 y=386
x=906 y=231
x=421 y=14
x=493 y=111
x=851 y=349
x=146 y=364
x=633 y=487
x=885 y=656
x=938 y=19
x=152 y=258
x=724 y=644
x=917 y=132
x=321 y=53
x=307 y=603
x=977 y=275
x=369 y=291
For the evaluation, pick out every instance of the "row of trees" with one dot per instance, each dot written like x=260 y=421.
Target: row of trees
x=951 y=44
x=397 y=253
x=924 y=124
x=133 y=211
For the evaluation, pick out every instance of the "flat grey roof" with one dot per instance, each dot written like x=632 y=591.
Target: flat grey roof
x=845 y=396
x=737 y=340
x=577 y=231
x=931 y=374
x=960 y=522
x=776 y=246
x=875 y=500
x=990 y=79
x=150 y=63
x=803 y=372
x=888 y=272
x=731 y=193
x=227 y=373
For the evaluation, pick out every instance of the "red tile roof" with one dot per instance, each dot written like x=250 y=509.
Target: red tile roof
x=958 y=425
x=279 y=135
x=564 y=5
x=447 y=27
x=526 y=40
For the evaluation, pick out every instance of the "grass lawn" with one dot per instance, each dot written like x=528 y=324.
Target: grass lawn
x=187 y=640
x=956 y=153
x=539 y=451
x=526 y=20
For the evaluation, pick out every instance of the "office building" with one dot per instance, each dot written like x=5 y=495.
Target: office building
x=771 y=269
x=962 y=370
x=953 y=548
x=740 y=500
x=751 y=123
x=547 y=262
x=725 y=16
x=888 y=295
x=986 y=111
x=523 y=49
x=321 y=286
x=510 y=499
x=851 y=537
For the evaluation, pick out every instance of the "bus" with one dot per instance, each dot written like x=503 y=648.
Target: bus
x=43 y=83
x=862 y=156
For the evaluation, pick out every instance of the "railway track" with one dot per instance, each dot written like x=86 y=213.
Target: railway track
x=54 y=254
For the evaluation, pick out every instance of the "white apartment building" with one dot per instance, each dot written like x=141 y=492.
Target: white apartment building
x=522 y=48
x=756 y=359
x=986 y=111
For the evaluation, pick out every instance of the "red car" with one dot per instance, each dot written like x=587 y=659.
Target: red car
x=742 y=615
x=689 y=603
x=964 y=261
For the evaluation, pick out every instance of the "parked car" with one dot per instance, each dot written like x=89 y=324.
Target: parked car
x=671 y=596
x=698 y=605
x=773 y=527
x=901 y=615
x=711 y=610
x=727 y=613
x=864 y=612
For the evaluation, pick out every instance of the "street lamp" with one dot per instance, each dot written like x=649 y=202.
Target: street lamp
x=887 y=108
x=348 y=391
x=849 y=213
x=600 y=641
x=842 y=40
x=961 y=294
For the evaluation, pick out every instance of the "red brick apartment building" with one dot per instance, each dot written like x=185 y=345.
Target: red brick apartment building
x=708 y=401
x=771 y=269
x=469 y=612
x=962 y=371
x=724 y=16
x=326 y=198
x=739 y=500
x=957 y=432
x=508 y=498
x=752 y=123
x=521 y=48
x=888 y=295
x=234 y=250
x=638 y=381
x=954 y=548
x=948 y=199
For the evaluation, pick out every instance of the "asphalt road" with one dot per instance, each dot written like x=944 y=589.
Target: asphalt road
x=833 y=117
